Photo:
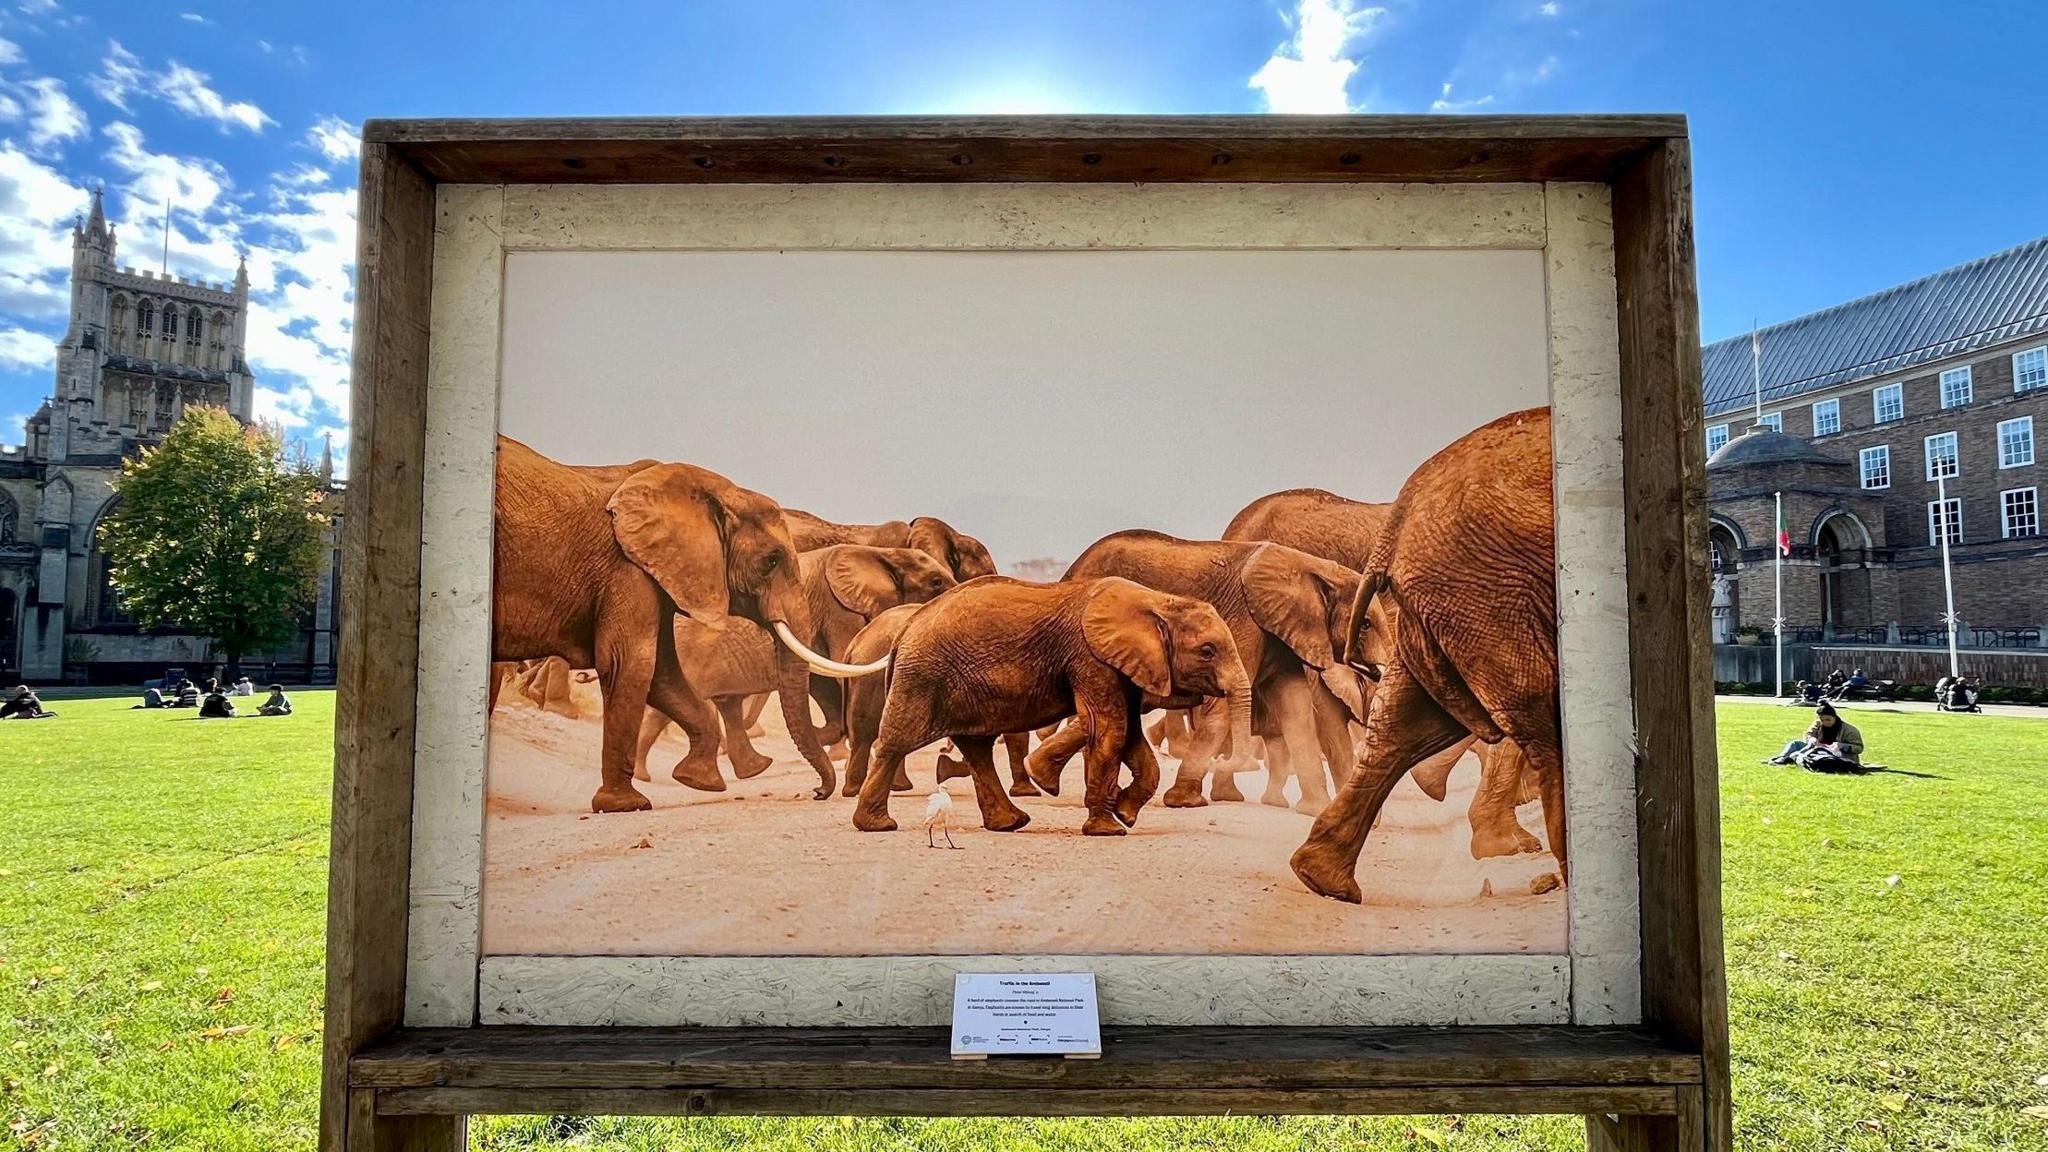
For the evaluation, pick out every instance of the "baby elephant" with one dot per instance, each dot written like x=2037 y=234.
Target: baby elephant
x=997 y=655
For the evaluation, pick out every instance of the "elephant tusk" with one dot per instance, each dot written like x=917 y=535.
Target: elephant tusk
x=825 y=666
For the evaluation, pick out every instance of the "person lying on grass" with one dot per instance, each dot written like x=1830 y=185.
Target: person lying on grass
x=1831 y=745
x=24 y=704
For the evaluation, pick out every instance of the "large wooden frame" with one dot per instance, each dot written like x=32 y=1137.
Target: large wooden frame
x=1663 y=1084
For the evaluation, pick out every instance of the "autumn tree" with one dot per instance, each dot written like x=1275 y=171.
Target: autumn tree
x=218 y=533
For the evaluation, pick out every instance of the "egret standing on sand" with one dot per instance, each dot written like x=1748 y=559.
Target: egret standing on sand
x=937 y=811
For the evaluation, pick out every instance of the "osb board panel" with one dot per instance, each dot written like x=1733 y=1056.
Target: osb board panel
x=918 y=990
x=447 y=869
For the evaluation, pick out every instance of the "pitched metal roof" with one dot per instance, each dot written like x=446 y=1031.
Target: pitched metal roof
x=2000 y=297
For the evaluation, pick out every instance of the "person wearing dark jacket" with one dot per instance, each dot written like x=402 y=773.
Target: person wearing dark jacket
x=24 y=704
x=217 y=706
x=1832 y=744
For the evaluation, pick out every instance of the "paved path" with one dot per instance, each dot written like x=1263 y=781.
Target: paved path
x=2027 y=710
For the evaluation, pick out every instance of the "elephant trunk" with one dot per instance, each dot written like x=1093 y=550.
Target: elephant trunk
x=1238 y=709
x=1359 y=620
x=793 y=689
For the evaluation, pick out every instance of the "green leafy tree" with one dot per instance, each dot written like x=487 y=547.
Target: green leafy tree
x=217 y=533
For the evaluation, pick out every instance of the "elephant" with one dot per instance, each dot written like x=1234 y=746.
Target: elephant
x=1317 y=522
x=866 y=697
x=1506 y=782
x=999 y=655
x=1468 y=562
x=592 y=565
x=962 y=554
x=846 y=585
x=1285 y=611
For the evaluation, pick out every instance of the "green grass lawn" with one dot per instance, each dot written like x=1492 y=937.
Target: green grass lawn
x=162 y=888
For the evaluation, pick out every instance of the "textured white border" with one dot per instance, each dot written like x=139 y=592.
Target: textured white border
x=909 y=991
x=1596 y=983
x=1592 y=605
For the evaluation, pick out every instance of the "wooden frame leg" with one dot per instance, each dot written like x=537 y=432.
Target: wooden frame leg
x=369 y=1132
x=1684 y=1131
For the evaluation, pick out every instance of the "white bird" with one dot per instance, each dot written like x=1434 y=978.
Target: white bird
x=937 y=811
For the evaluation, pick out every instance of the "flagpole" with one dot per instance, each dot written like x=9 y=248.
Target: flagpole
x=1948 y=584
x=1780 y=541
x=167 y=238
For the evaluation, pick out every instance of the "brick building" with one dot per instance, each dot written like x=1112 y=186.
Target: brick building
x=1870 y=410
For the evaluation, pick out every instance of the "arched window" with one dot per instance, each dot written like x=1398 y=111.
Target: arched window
x=170 y=322
x=106 y=601
x=10 y=517
x=145 y=318
x=194 y=326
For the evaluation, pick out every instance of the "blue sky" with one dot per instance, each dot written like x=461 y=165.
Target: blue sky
x=1839 y=148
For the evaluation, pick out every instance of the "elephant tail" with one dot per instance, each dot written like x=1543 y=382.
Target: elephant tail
x=1369 y=586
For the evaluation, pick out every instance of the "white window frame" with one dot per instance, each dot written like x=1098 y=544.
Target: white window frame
x=1775 y=421
x=2026 y=422
x=1711 y=446
x=1955 y=454
x=2042 y=352
x=2005 y=512
x=1957 y=387
x=1863 y=459
x=1833 y=407
x=1934 y=532
x=1877 y=396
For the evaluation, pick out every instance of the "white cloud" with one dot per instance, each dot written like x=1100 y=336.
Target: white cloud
x=1309 y=73
x=302 y=300
x=37 y=206
x=10 y=52
x=38 y=7
x=54 y=116
x=21 y=348
x=122 y=76
x=1548 y=9
x=336 y=140
x=1444 y=103
x=194 y=18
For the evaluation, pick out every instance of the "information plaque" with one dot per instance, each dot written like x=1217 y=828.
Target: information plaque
x=1025 y=1014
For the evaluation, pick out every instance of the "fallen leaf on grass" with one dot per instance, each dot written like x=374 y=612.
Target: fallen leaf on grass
x=1891 y=881
x=150 y=986
x=1893 y=1101
x=2037 y=1111
x=1430 y=1136
x=283 y=1042
x=224 y=995
x=1871 y=1125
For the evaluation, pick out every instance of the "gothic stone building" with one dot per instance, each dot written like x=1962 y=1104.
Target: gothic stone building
x=1871 y=411
x=139 y=348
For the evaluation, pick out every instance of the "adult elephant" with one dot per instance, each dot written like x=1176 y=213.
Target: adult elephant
x=1468 y=561
x=846 y=585
x=998 y=655
x=963 y=555
x=594 y=563
x=1285 y=611
x=1316 y=522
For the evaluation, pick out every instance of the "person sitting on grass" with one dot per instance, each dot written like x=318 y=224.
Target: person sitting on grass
x=1831 y=745
x=187 y=696
x=24 y=704
x=217 y=705
x=278 y=705
x=244 y=688
x=151 y=698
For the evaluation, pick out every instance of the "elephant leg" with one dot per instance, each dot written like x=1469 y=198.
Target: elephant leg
x=1294 y=707
x=747 y=760
x=998 y=813
x=699 y=721
x=902 y=731
x=1107 y=733
x=1405 y=727
x=555 y=694
x=1208 y=733
x=1333 y=729
x=1047 y=760
x=625 y=672
x=651 y=727
x=1144 y=777
x=1548 y=763
x=826 y=691
x=1495 y=830
x=1017 y=747
x=1433 y=775
x=499 y=671
x=1279 y=766
x=755 y=704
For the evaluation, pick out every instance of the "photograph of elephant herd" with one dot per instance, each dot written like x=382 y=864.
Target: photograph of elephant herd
x=723 y=725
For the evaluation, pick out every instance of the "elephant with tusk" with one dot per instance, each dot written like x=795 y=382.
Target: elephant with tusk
x=997 y=655
x=593 y=564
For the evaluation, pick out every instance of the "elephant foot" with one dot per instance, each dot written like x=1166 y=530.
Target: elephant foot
x=901 y=781
x=747 y=767
x=1101 y=824
x=837 y=751
x=625 y=799
x=1128 y=805
x=1490 y=840
x=693 y=773
x=1308 y=807
x=1434 y=778
x=1046 y=777
x=852 y=788
x=756 y=732
x=640 y=772
x=868 y=821
x=1223 y=786
x=949 y=769
x=1184 y=796
x=1323 y=873
x=1022 y=786
x=1005 y=821
x=1274 y=798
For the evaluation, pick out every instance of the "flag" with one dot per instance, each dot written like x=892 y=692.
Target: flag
x=1784 y=537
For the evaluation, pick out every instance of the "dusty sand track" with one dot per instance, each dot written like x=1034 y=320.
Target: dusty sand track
x=762 y=869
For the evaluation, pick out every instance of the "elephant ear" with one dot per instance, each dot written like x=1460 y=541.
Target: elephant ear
x=1291 y=594
x=1125 y=631
x=667 y=521
x=860 y=578
x=936 y=539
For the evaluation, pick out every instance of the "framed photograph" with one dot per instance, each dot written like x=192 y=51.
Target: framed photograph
x=1247 y=560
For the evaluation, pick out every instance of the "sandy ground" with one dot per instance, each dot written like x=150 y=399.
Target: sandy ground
x=762 y=869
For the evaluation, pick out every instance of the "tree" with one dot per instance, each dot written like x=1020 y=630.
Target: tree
x=216 y=532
